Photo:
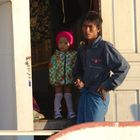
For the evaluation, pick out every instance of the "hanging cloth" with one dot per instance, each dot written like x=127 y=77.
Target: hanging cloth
x=66 y=12
x=94 y=5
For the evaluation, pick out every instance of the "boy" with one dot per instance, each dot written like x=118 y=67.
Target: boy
x=99 y=68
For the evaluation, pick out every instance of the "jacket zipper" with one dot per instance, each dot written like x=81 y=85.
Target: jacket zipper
x=65 y=70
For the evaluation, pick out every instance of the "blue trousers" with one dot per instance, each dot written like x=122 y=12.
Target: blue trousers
x=91 y=107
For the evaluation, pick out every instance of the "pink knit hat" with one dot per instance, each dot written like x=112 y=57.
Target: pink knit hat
x=67 y=35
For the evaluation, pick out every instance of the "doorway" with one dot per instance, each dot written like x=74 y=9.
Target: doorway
x=48 y=17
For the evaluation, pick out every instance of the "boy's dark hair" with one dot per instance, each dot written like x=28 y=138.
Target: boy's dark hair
x=93 y=16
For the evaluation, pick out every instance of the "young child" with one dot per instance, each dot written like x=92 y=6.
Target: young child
x=60 y=72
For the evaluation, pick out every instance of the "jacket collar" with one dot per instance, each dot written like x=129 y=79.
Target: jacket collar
x=96 y=42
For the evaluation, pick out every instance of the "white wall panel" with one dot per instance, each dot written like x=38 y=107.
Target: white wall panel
x=121 y=27
x=124 y=25
x=16 y=109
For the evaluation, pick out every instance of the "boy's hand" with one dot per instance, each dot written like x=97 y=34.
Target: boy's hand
x=79 y=84
x=102 y=92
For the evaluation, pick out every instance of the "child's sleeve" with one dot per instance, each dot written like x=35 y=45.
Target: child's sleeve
x=52 y=70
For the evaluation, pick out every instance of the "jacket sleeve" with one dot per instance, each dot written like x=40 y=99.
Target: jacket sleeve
x=52 y=70
x=118 y=66
x=77 y=70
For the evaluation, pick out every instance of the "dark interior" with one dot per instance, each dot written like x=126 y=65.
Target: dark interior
x=47 y=18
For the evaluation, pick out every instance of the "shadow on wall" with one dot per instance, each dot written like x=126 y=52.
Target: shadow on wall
x=135 y=111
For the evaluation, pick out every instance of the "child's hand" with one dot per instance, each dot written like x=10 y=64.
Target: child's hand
x=79 y=84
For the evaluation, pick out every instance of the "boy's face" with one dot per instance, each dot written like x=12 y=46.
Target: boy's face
x=63 y=44
x=90 y=30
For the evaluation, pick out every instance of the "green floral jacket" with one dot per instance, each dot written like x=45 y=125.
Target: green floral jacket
x=60 y=68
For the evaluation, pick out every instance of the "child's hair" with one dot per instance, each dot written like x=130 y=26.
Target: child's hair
x=67 y=35
x=93 y=16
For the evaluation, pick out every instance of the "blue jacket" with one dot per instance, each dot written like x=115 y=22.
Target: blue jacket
x=100 y=65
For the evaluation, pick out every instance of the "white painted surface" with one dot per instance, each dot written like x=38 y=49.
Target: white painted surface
x=8 y=138
x=28 y=133
x=16 y=137
x=99 y=131
x=24 y=138
x=22 y=63
x=16 y=111
x=103 y=133
x=121 y=27
x=8 y=114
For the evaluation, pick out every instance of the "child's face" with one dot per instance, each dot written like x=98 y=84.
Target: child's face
x=63 y=44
